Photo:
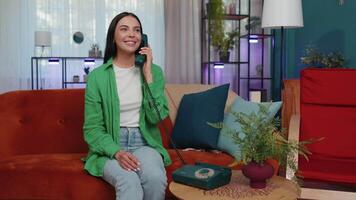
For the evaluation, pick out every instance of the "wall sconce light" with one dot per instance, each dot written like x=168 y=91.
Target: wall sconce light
x=89 y=61
x=253 y=39
x=53 y=61
x=218 y=65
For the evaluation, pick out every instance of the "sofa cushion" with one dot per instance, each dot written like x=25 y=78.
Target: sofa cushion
x=50 y=176
x=191 y=128
x=42 y=121
x=328 y=109
x=175 y=93
x=225 y=142
x=328 y=86
x=328 y=169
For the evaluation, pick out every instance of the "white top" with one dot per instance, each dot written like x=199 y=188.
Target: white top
x=128 y=84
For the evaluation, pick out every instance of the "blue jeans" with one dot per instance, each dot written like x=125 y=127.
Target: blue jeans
x=150 y=182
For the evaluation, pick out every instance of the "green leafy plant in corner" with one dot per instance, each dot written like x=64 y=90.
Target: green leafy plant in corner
x=333 y=60
x=255 y=22
x=312 y=57
x=228 y=42
x=260 y=139
x=220 y=39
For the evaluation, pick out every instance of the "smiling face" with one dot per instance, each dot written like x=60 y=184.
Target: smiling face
x=127 y=35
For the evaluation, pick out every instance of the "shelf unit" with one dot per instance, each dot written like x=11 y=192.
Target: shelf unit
x=61 y=65
x=238 y=71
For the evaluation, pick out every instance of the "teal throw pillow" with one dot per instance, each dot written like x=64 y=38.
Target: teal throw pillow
x=225 y=141
x=191 y=129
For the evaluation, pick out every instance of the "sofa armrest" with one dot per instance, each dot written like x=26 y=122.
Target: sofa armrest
x=293 y=135
x=291 y=100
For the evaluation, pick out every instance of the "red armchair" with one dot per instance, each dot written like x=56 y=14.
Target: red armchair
x=327 y=109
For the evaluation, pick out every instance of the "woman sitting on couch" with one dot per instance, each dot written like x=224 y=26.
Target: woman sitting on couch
x=120 y=126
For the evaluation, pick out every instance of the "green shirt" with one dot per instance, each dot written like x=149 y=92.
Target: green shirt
x=102 y=116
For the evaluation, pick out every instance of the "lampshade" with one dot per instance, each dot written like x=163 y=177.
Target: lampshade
x=282 y=13
x=43 y=38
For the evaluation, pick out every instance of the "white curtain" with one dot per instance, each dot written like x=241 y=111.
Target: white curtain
x=19 y=20
x=183 y=22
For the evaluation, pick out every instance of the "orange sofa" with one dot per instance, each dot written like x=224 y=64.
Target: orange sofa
x=41 y=143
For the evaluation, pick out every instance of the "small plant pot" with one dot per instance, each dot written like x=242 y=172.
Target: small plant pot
x=258 y=174
x=224 y=57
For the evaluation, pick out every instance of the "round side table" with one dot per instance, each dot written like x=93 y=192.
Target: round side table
x=238 y=188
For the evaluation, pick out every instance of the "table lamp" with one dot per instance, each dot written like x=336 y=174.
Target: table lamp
x=43 y=39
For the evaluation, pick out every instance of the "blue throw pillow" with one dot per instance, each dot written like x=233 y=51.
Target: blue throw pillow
x=195 y=110
x=225 y=142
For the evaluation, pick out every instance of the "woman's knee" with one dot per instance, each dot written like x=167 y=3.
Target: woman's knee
x=129 y=187
x=159 y=179
x=149 y=157
x=154 y=177
x=130 y=180
x=121 y=179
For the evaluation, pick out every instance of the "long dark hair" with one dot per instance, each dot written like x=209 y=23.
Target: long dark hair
x=110 y=47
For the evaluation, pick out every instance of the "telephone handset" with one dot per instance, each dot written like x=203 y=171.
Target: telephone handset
x=141 y=59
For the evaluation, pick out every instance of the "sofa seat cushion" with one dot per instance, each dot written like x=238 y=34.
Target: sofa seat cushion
x=50 y=176
x=328 y=169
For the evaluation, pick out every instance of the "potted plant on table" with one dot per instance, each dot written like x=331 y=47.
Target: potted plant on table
x=221 y=40
x=260 y=140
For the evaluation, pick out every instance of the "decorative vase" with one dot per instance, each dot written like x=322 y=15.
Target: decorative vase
x=85 y=76
x=224 y=57
x=258 y=174
x=75 y=78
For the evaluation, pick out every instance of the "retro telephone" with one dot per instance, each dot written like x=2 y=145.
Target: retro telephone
x=141 y=59
x=201 y=175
